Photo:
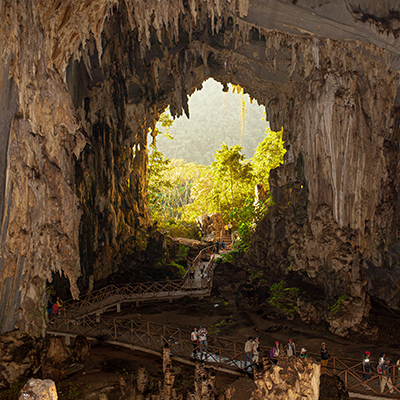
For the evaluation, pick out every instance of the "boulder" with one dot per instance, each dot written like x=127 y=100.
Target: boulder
x=292 y=378
x=19 y=357
x=332 y=388
x=210 y=225
x=36 y=389
x=81 y=349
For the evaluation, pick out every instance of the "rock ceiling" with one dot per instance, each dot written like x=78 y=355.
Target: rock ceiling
x=82 y=81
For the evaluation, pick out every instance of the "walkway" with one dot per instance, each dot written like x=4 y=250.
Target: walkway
x=226 y=355
x=113 y=296
x=223 y=354
x=83 y=317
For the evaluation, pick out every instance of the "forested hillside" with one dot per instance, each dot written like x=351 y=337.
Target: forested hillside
x=215 y=117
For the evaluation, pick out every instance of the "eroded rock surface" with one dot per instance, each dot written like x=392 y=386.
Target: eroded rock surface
x=81 y=83
x=38 y=389
x=293 y=378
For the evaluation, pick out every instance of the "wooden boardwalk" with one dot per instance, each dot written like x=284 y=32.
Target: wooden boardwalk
x=113 y=296
x=223 y=354
x=83 y=317
x=146 y=336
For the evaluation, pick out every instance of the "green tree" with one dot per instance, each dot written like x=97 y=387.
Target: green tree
x=268 y=155
x=233 y=177
x=226 y=184
x=157 y=185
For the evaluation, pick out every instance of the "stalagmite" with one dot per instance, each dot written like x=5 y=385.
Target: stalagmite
x=169 y=379
x=166 y=357
x=38 y=389
x=142 y=380
x=293 y=378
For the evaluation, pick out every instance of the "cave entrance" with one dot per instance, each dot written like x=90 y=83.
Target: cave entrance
x=215 y=163
x=118 y=100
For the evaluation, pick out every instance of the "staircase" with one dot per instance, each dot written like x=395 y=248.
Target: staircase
x=227 y=239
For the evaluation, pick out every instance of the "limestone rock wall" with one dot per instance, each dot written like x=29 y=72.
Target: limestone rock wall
x=77 y=100
x=333 y=220
x=81 y=83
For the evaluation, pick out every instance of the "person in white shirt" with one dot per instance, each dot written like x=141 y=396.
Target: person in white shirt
x=195 y=341
x=248 y=351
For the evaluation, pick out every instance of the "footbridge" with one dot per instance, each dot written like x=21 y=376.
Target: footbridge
x=222 y=354
x=113 y=296
x=84 y=317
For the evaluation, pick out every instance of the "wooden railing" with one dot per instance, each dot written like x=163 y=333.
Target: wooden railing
x=152 y=336
x=100 y=300
x=221 y=352
x=350 y=371
x=206 y=251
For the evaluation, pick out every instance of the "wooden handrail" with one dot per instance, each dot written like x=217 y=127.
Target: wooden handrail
x=102 y=299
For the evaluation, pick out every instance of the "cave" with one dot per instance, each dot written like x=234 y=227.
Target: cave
x=82 y=82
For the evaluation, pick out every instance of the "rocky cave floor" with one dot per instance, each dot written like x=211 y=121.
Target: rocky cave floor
x=221 y=315
x=107 y=363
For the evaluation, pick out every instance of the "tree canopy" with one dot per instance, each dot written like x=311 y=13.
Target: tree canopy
x=184 y=191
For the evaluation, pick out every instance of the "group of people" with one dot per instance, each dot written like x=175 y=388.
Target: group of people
x=252 y=352
x=199 y=341
x=228 y=228
x=54 y=307
x=219 y=245
x=382 y=367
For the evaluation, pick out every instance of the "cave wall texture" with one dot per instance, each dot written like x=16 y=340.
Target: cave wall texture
x=82 y=81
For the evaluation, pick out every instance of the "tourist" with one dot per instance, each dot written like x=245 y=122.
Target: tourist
x=50 y=310
x=248 y=351
x=230 y=228
x=202 y=335
x=324 y=358
x=60 y=306
x=274 y=353
x=398 y=372
x=195 y=341
x=290 y=348
x=367 y=368
x=217 y=246
x=379 y=365
x=385 y=379
x=226 y=229
x=55 y=307
x=191 y=273
x=303 y=353
x=256 y=350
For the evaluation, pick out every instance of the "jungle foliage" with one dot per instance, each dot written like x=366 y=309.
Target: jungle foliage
x=180 y=191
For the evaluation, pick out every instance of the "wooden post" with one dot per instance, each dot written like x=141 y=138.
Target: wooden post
x=118 y=307
x=97 y=318
x=345 y=379
x=166 y=356
x=131 y=331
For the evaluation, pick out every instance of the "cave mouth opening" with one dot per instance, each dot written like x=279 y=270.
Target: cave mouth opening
x=117 y=100
x=216 y=161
